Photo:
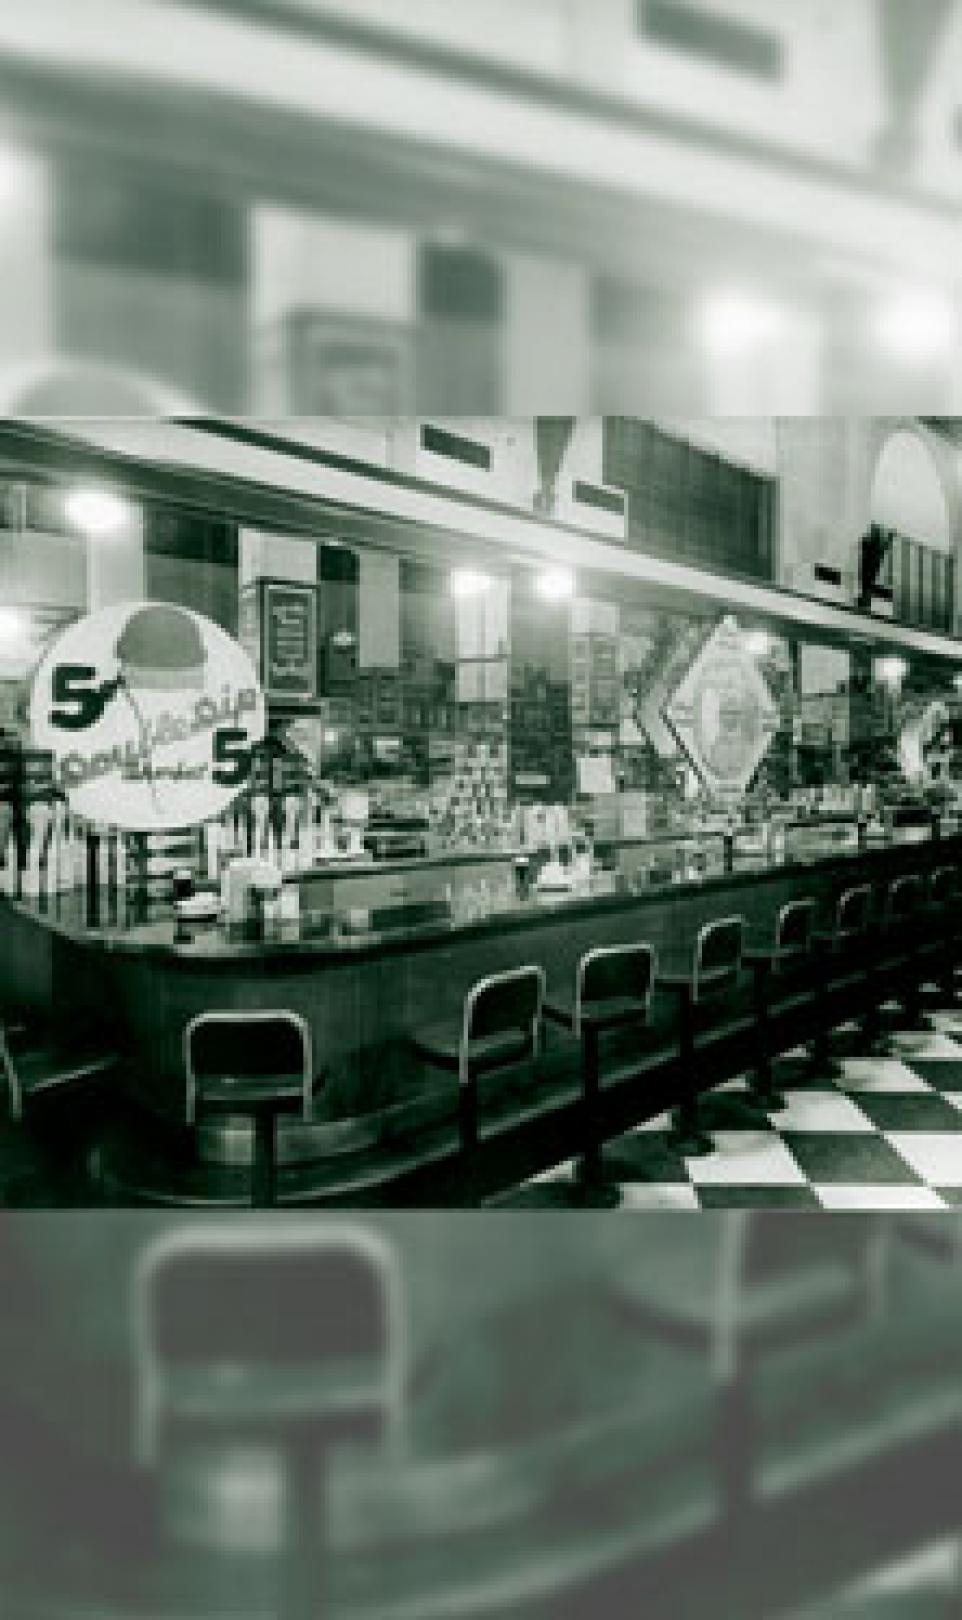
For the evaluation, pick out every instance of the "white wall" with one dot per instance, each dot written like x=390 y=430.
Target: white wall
x=275 y=556
x=749 y=441
x=116 y=568
x=513 y=475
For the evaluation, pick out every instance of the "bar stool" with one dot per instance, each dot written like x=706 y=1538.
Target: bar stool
x=747 y=1291
x=255 y=1064
x=612 y=990
x=499 y=1027
x=715 y=973
x=846 y=944
x=285 y=1336
x=782 y=970
x=36 y=1065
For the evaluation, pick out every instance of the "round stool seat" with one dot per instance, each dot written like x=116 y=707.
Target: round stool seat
x=224 y=1094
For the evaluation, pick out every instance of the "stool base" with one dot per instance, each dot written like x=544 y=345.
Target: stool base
x=687 y=1138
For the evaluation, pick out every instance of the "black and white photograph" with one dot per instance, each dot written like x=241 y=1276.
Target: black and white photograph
x=480 y=812
x=480 y=809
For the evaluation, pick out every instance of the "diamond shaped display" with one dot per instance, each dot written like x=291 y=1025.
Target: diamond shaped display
x=723 y=713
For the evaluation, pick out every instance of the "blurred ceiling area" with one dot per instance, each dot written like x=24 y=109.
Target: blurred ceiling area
x=466 y=205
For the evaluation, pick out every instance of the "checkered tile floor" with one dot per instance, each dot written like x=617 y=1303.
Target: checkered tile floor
x=881 y=1132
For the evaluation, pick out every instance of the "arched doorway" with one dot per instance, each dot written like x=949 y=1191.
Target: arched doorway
x=909 y=492
x=913 y=519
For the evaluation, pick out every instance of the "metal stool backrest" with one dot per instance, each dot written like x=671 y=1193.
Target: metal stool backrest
x=718 y=956
x=852 y=912
x=794 y=927
x=614 y=973
x=503 y=1004
x=944 y=885
x=314 y=1308
x=824 y=1279
x=246 y=1046
x=904 y=898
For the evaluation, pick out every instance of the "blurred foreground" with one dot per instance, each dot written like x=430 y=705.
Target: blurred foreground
x=525 y=1417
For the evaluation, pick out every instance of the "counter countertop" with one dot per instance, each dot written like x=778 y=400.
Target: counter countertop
x=327 y=938
x=366 y=866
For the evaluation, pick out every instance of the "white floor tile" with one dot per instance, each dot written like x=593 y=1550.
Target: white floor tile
x=949 y=1025
x=746 y=1158
x=926 y=1044
x=934 y=1155
x=659 y=1195
x=661 y=1122
x=874 y=1198
x=820 y=1111
x=561 y=1172
x=879 y=1074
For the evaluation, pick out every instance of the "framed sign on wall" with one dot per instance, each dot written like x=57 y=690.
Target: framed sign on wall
x=278 y=627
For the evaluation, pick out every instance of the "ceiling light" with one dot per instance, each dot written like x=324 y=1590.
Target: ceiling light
x=96 y=512
x=917 y=326
x=891 y=671
x=14 y=627
x=467 y=583
x=733 y=323
x=555 y=585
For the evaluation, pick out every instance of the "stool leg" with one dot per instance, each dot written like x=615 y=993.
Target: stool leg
x=598 y=1192
x=763 y=1087
x=302 y=1589
x=823 y=1063
x=947 y=974
x=468 y=1115
x=590 y=1073
x=263 y=1175
x=911 y=983
x=686 y=1135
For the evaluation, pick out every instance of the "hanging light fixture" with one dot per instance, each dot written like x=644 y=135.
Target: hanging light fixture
x=97 y=513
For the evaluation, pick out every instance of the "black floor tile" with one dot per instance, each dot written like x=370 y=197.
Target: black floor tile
x=563 y=1194
x=945 y=1074
x=644 y=1156
x=908 y=1111
x=763 y=1197
x=852 y=1159
x=951 y=1196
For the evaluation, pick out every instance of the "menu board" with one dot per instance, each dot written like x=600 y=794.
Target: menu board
x=278 y=628
x=290 y=641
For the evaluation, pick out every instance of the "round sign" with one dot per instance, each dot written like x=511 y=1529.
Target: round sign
x=151 y=713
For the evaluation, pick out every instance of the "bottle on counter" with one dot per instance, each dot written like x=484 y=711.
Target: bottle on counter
x=213 y=844
x=11 y=866
x=38 y=821
x=289 y=910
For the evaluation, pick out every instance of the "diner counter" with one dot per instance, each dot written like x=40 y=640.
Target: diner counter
x=365 y=982
x=338 y=929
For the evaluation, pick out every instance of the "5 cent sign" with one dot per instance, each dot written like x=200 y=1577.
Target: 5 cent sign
x=151 y=713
